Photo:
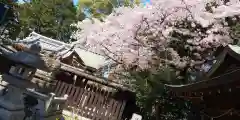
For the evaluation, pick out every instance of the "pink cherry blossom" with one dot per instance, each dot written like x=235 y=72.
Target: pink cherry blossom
x=133 y=36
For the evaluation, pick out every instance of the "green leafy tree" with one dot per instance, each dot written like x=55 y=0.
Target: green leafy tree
x=9 y=27
x=51 y=18
x=153 y=99
x=101 y=8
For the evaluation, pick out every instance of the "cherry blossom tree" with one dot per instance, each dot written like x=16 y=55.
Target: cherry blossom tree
x=176 y=33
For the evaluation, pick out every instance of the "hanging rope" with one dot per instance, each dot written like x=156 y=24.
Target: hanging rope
x=191 y=97
x=236 y=113
x=215 y=117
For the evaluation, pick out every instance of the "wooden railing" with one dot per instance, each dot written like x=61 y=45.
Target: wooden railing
x=91 y=102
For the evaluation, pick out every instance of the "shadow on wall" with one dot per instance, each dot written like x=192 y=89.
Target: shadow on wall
x=64 y=77
x=7 y=64
x=131 y=106
x=4 y=69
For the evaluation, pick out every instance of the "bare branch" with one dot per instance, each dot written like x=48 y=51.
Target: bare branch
x=186 y=7
x=110 y=56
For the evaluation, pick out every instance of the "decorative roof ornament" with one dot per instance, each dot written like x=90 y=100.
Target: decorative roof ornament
x=31 y=57
x=35 y=48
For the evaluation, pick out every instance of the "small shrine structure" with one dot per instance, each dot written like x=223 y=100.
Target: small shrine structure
x=19 y=84
x=70 y=54
x=90 y=95
x=215 y=97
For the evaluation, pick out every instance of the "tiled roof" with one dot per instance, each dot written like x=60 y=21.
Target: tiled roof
x=89 y=58
x=46 y=43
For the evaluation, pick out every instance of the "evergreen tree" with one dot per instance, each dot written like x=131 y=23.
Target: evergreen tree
x=51 y=18
x=100 y=8
x=9 y=26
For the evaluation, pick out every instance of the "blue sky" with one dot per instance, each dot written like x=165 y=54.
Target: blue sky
x=75 y=2
x=20 y=1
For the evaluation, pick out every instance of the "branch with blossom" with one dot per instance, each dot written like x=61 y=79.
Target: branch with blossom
x=176 y=33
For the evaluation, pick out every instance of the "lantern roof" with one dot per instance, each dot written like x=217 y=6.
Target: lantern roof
x=30 y=58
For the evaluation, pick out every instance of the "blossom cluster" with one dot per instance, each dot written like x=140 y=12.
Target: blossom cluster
x=180 y=33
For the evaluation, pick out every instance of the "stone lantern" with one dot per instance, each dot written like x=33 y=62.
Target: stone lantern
x=19 y=78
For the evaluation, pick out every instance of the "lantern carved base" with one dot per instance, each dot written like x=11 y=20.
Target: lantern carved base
x=11 y=105
x=11 y=115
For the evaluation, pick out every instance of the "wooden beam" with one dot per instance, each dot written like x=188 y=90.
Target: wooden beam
x=82 y=73
x=225 y=78
x=102 y=81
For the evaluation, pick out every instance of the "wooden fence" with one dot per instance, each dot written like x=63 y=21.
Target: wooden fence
x=91 y=102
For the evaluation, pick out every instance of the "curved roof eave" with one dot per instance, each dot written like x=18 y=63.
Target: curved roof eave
x=232 y=50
